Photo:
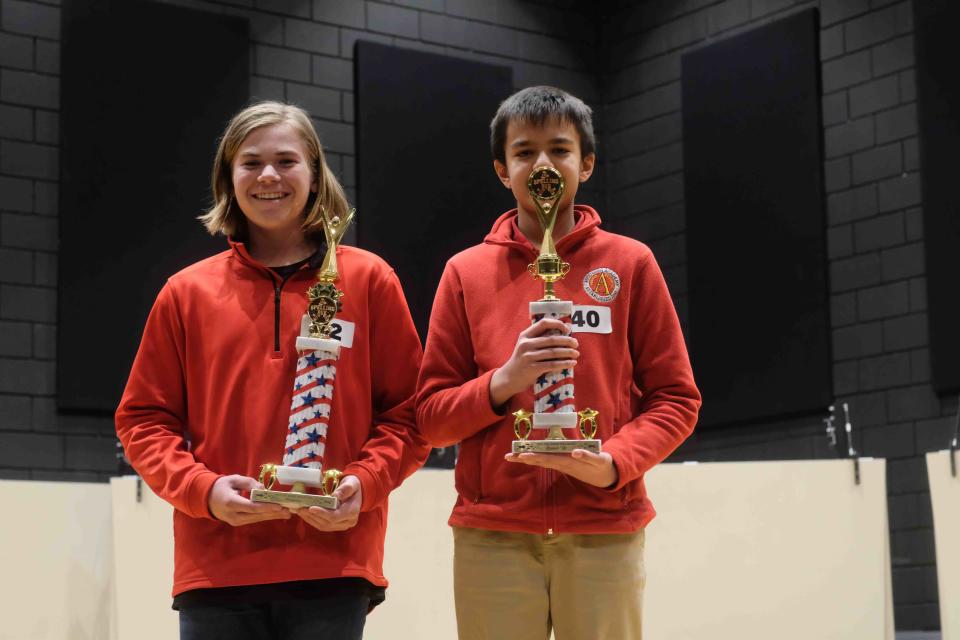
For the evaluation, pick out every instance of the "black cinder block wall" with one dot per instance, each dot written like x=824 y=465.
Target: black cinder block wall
x=875 y=236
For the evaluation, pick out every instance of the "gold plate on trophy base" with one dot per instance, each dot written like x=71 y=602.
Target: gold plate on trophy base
x=555 y=446
x=293 y=499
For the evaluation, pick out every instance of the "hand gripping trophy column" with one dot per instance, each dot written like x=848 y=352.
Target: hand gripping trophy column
x=312 y=393
x=554 y=408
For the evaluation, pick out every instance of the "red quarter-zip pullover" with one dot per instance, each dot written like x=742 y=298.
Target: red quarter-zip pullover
x=209 y=369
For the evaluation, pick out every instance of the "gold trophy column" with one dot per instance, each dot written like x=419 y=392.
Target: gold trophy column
x=553 y=392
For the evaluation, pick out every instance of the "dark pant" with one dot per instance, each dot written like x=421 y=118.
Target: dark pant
x=333 y=618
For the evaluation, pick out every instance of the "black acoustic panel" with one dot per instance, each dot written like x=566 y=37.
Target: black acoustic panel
x=147 y=90
x=939 y=112
x=427 y=188
x=759 y=322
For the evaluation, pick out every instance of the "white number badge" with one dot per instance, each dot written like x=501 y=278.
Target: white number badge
x=590 y=319
x=341 y=330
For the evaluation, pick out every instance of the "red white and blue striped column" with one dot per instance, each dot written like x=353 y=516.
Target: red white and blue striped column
x=553 y=404
x=311 y=402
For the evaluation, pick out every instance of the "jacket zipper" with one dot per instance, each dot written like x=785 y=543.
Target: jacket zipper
x=551 y=505
x=276 y=315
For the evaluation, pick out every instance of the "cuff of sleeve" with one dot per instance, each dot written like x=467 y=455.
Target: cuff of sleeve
x=626 y=473
x=199 y=495
x=479 y=400
x=373 y=493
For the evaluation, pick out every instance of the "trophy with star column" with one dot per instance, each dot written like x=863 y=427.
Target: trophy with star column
x=312 y=401
x=554 y=408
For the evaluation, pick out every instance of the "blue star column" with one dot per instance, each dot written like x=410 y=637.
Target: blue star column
x=310 y=408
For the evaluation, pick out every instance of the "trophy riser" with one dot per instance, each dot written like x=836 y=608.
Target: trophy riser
x=555 y=446
x=294 y=500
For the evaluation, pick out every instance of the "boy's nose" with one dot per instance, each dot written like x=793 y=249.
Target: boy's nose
x=268 y=174
x=544 y=159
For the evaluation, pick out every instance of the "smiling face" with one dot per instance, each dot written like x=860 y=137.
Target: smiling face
x=554 y=143
x=272 y=180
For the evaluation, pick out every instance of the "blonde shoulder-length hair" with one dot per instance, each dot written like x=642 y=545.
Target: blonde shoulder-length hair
x=225 y=216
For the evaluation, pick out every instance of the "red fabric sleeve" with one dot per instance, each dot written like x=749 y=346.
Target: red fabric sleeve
x=662 y=372
x=395 y=448
x=453 y=402
x=150 y=418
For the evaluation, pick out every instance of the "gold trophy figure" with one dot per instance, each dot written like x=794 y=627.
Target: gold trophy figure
x=312 y=392
x=553 y=408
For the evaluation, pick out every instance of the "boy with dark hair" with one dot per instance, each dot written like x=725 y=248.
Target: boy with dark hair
x=552 y=541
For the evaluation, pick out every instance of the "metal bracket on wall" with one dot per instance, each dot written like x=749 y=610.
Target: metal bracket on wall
x=834 y=441
x=851 y=452
x=954 y=442
x=124 y=468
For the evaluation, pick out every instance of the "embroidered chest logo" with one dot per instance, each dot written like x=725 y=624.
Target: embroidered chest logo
x=602 y=284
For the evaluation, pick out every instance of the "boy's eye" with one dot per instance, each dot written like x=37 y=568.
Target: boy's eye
x=523 y=154
x=561 y=150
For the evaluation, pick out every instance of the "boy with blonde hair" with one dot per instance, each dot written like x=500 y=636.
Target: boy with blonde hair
x=209 y=400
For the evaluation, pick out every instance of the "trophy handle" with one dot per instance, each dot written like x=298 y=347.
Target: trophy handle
x=268 y=474
x=588 y=423
x=330 y=482
x=522 y=425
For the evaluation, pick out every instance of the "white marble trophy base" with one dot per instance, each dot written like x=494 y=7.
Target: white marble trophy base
x=555 y=445
x=294 y=499
x=545 y=307
x=306 y=343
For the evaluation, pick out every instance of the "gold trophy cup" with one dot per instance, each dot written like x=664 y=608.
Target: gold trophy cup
x=553 y=392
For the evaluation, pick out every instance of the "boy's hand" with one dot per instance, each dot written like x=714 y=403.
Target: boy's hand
x=534 y=355
x=593 y=468
x=227 y=504
x=343 y=517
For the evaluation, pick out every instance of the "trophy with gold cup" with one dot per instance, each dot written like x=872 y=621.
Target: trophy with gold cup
x=554 y=408
x=312 y=392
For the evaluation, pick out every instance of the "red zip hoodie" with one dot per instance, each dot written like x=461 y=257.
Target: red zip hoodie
x=638 y=376
x=216 y=365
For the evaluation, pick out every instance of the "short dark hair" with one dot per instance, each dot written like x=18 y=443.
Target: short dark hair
x=536 y=105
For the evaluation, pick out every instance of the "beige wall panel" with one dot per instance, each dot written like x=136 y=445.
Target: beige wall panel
x=945 y=497
x=418 y=562
x=143 y=563
x=739 y=550
x=55 y=554
x=759 y=550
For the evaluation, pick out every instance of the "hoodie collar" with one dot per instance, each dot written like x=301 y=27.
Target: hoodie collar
x=243 y=255
x=506 y=232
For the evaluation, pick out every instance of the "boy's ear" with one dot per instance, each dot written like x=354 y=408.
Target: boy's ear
x=586 y=166
x=502 y=173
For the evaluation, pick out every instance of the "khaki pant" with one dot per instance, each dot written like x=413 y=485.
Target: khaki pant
x=520 y=586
